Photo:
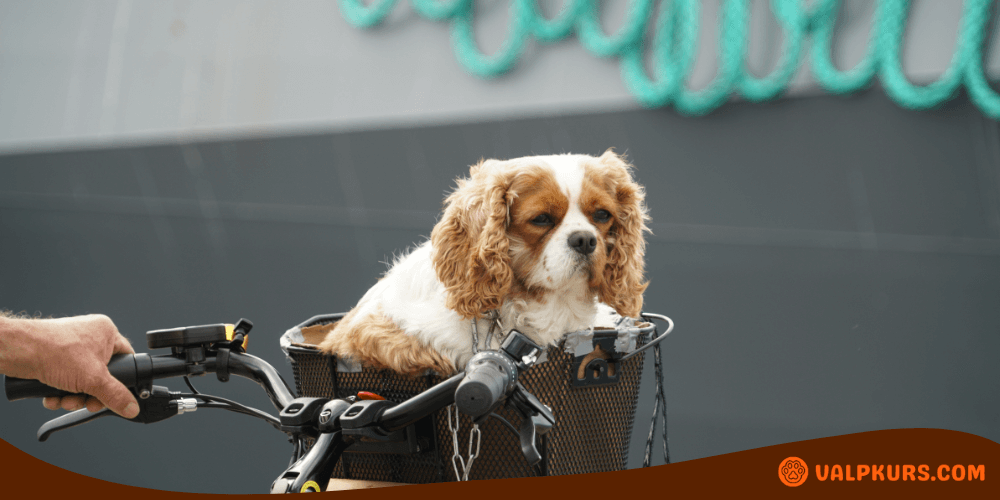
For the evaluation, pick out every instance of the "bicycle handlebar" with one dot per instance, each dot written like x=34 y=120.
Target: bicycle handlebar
x=122 y=367
x=421 y=405
x=137 y=371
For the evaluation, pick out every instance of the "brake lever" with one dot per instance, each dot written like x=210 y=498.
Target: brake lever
x=160 y=405
x=537 y=419
x=71 y=419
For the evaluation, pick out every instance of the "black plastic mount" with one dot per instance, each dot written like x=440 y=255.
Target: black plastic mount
x=537 y=420
x=521 y=348
x=185 y=337
x=359 y=421
x=598 y=371
x=299 y=417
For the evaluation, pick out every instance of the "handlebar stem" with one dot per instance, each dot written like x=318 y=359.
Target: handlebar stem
x=421 y=405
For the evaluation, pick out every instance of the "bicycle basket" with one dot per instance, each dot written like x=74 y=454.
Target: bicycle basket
x=594 y=401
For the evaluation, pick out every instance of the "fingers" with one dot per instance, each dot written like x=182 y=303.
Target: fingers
x=69 y=403
x=104 y=323
x=94 y=405
x=113 y=394
x=74 y=402
x=122 y=345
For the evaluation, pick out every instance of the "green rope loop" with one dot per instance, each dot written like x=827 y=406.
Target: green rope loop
x=469 y=55
x=557 y=28
x=975 y=77
x=891 y=75
x=365 y=17
x=672 y=58
x=823 y=70
x=731 y=49
x=592 y=37
x=438 y=10
x=795 y=24
x=674 y=41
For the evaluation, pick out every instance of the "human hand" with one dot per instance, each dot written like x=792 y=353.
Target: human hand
x=69 y=354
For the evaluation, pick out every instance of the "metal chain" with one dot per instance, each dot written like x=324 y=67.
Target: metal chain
x=659 y=403
x=495 y=326
x=475 y=436
x=475 y=336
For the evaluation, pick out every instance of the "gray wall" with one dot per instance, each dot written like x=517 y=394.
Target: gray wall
x=86 y=72
x=833 y=265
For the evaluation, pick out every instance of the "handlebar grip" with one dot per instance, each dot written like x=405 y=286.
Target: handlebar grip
x=19 y=388
x=488 y=377
x=121 y=366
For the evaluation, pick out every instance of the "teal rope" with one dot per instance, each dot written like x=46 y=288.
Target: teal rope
x=365 y=17
x=891 y=74
x=592 y=36
x=673 y=43
x=672 y=58
x=823 y=70
x=561 y=26
x=438 y=10
x=795 y=23
x=975 y=77
x=469 y=55
x=732 y=46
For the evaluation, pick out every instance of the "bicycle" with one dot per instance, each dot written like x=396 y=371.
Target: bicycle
x=335 y=425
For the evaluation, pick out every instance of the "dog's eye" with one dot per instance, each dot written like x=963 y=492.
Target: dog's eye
x=542 y=220
x=602 y=216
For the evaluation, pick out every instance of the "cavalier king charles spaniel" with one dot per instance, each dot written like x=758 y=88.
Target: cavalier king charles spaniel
x=536 y=244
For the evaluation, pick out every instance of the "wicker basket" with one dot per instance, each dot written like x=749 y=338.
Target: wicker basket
x=594 y=416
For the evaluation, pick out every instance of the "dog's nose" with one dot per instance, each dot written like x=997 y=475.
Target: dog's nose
x=583 y=242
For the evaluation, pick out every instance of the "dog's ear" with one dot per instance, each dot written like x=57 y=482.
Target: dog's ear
x=623 y=284
x=471 y=250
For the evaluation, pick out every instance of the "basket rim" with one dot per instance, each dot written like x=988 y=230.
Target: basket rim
x=598 y=332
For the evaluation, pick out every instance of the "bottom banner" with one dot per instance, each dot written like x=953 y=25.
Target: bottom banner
x=916 y=463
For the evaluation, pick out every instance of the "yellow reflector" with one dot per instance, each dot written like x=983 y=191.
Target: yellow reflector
x=230 y=331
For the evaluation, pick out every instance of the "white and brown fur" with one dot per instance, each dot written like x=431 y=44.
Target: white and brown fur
x=488 y=252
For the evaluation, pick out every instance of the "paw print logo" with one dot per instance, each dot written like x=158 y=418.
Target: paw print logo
x=793 y=471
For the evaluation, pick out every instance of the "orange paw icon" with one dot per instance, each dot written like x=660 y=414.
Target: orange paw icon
x=793 y=471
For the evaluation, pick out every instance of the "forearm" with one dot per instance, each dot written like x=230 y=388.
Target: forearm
x=21 y=341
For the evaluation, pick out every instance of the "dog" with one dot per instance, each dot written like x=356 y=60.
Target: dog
x=539 y=244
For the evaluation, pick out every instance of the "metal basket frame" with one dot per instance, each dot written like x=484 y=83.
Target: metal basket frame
x=593 y=422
